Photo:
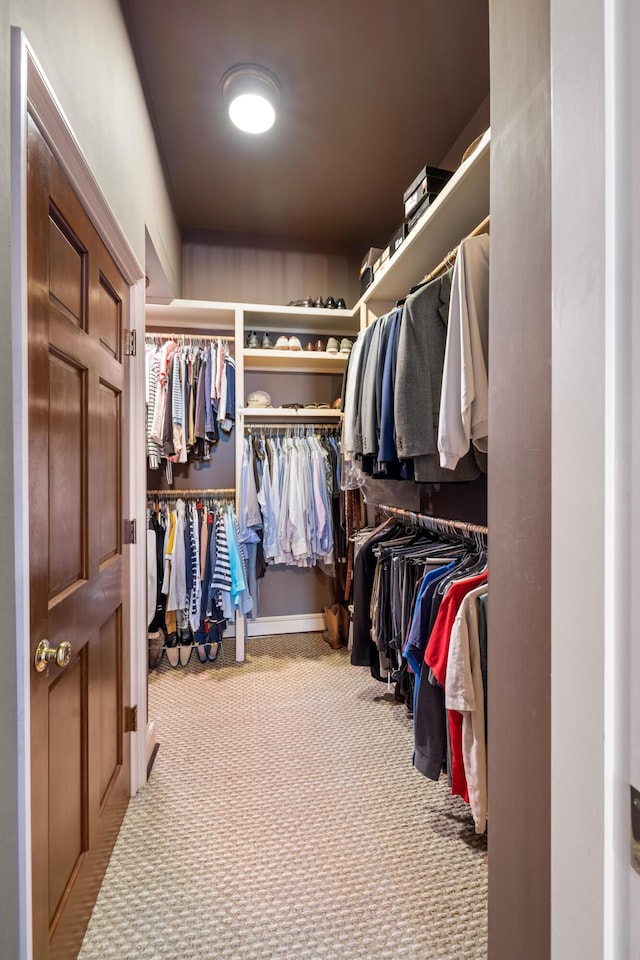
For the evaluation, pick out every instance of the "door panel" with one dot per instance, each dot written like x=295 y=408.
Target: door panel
x=67 y=274
x=109 y=316
x=78 y=571
x=66 y=474
x=68 y=780
x=110 y=692
x=109 y=472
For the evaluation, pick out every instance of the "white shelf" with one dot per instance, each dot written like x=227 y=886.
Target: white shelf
x=202 y=315
x=278 y=413
x=294 y=361
x=461 y=206
x=274 y=319
x=213 y=316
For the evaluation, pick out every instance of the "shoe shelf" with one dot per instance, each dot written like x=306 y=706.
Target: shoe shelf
x=462 y=205
x=294 y=361
x=301 y=320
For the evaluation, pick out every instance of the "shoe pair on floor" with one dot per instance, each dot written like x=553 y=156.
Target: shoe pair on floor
x=338 y=621
x=179 y=647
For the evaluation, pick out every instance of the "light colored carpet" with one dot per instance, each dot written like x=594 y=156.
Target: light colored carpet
x=283 y=819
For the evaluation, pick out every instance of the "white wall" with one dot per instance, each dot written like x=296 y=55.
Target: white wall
x=84 y=50
x=266 y=276
x=596 y=461
x=9 y=884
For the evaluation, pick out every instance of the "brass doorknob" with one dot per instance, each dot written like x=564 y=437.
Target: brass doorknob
x=45 y=654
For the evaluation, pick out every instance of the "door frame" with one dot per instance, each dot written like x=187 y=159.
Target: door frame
x=31 y=92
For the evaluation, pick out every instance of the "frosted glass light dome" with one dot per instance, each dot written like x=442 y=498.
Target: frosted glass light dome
x=252 y=113
x=252 y=94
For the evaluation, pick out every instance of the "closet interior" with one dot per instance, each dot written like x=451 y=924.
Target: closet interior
x=302 y=389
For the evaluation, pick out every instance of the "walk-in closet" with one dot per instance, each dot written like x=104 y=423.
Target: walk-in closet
x=283 y=392
x=296 y=554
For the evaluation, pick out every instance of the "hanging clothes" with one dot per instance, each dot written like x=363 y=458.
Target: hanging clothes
x=201 y=578
x=464 y=404
x=420 y=621
x=415 y=390
x=190 y=398
x=289 y=500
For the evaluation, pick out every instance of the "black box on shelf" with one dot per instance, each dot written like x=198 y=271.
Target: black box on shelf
x=399 y=237
x=420 y=209
x=366 y=278
x=370 y=259
x=430 y=180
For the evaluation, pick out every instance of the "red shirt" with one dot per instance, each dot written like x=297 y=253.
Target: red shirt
x=436 y=655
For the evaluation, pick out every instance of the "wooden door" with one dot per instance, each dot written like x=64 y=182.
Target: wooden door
x=80 y=777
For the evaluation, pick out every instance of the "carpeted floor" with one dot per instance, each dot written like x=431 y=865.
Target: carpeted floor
x=283 y=819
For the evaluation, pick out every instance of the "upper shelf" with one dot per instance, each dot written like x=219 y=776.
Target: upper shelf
x=215 y=316
x=205 y=315
x=462 y=205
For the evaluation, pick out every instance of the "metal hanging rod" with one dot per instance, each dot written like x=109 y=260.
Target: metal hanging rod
x=150 y=336
x=219 y=491
x=437 y=524
x=299 y=424
x=449 y=260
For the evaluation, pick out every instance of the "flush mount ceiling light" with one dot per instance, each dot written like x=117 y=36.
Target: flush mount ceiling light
x=252 y=94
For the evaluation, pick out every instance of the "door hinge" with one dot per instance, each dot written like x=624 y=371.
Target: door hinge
x=131 y=719
x=130 y=532
x=130 y=341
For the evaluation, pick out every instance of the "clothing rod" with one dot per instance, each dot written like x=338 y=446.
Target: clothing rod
x=450 y=257
x=436 y=524
x=192 y=493
x=187 y=336
x=274 y=425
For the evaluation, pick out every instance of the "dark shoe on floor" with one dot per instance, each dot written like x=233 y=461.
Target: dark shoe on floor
x=172 y=649
x=186 y=646
x=199 y=641
x=156 y=648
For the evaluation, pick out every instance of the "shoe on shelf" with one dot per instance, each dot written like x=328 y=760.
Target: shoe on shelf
x=266 y=343
x=252 y=342
x=318 y=302
x=330 y=303
x=332 y=345
x=294 y=344
x=305 y=302
x=282 y=343
x=340 y=304
x=320 y=346
x=309 y=347
x=346 y=346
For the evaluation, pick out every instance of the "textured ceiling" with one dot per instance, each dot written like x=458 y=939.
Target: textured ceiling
x=370 y=92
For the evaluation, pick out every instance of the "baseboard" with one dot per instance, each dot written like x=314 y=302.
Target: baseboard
x=302 y=623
